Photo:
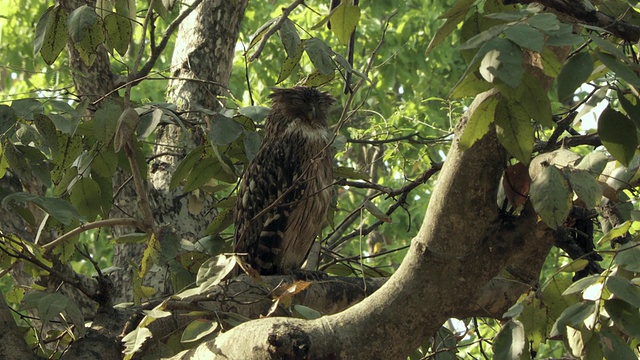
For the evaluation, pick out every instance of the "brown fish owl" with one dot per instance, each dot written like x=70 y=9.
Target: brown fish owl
x=286 y=189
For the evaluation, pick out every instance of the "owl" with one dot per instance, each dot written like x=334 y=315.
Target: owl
x=286 y=189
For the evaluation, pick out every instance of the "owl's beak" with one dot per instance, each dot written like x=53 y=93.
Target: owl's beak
x=312 y=112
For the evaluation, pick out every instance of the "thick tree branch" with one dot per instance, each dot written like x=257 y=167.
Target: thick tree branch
x=439 y=275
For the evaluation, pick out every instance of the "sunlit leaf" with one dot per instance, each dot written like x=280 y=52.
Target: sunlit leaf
x=478 y=124
x=197 y=329
x=585 y=186
x=344 y=19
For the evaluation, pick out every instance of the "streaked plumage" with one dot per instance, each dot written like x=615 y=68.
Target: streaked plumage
x=286 y=189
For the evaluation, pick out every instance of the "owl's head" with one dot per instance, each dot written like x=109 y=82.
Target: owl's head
x=304 y=103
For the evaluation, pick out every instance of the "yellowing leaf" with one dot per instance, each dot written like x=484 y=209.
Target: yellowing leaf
x=344 y=20
x=478 y=124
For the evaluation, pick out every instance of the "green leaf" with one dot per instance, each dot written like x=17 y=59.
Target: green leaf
x=514 y=130
x=376 y=212
x=27 y=108
x=261 y=32
x=344 y=19
x=585 y=186
x=594 y=162
x=307 y=312
x=186 y=166
x=573 y=316
x=224 y=130
x=454 y=16
x=545 y=22
x=51 y=34
x=252 y=142
x=86 y=197
x=622 y=70
x=628 y=256
x=289 y=64
x=531 y=97
x=632 y=110
x=616 y=232
x=614 y=348
x=105 y=121
x=70 y=149
x=470 y=84
x=623 y=289
x=206 y=169
x=504 y=62
x=573 y=74
x=510 y=341
x=551 y=196
x=625 y=316
x=575 y=265
x=220 y=222
x=47 y=131
x=255 y=113
x=197 y=329
x=478 y=40
x=119 y=31
x=478 y=124
x=8 y=118
x=618 y=134
x=87 y=32
x=320 y=55
x=525 y=36
x=582 y=284
x=289 y=37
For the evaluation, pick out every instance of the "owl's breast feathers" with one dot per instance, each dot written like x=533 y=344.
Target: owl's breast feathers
x=284 y=198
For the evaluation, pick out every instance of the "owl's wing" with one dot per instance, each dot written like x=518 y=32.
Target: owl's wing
x=259 y=232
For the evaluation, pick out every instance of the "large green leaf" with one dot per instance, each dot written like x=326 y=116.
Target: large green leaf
x=585 y=186
x=625 y=316
x=86 y=196
x=525 y=36
x=622 y=70
x=614 y=347
x=504 y=62
x=224 y=130
x=628 y=256
x=51 y=34
x=618 y=134
x=531 y=97
x=510 y=342
x=573 y=74
x=573 y=316
x=625 y=290
x=320 y=55
x=87 y=31
x=514 y=130
x=551 y=196
x=197 y=329
x=119 y=31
